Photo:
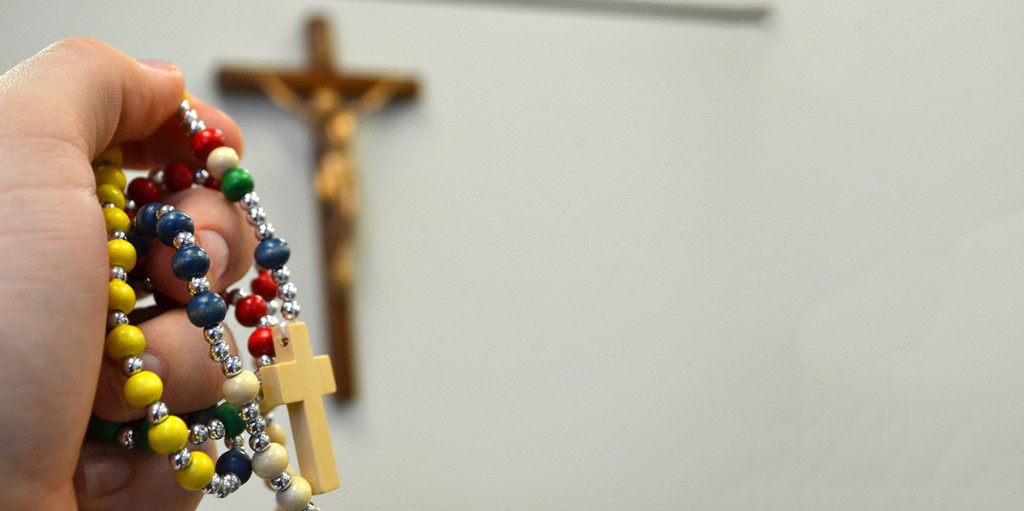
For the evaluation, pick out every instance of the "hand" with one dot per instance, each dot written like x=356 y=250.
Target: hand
x=58 y=110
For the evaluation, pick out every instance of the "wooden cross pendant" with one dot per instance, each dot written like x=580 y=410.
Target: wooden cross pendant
x=330 y=100
x=300 y=380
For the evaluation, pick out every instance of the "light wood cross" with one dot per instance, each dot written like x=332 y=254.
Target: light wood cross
x=300 y=381
x=330 y=100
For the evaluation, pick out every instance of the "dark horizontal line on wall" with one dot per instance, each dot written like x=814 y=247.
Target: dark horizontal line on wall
x=752 y=13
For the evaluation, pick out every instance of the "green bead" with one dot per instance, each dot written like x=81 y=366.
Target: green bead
x=228 y=414
x=141 y=436
x=236 y=183
x=103 y=430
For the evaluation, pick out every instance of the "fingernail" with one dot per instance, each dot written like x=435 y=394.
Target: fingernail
x=104 y=473
x=158 y=64
x=217 y=248
x=151 y=363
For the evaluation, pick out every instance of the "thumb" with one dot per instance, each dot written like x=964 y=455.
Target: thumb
x=59 y=109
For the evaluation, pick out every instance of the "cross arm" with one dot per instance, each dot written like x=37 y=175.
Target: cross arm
x=306 y=82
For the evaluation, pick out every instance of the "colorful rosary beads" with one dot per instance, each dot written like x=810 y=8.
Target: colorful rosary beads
x=130 y=239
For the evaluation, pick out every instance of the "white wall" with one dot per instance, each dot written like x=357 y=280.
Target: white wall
x=627 y=263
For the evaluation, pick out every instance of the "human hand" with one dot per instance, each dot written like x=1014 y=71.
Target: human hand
x=59 y=110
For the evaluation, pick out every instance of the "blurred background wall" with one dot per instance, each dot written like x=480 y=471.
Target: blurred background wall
x=625 y=261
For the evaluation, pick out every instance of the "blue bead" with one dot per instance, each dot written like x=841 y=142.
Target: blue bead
x=145 y=220
x=235 y=462
x=139 y=241
x=172 y=223
x=190 y=262
x=206 y=309
x=272 y=253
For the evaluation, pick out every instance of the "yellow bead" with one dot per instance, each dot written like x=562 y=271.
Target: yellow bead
x=111 y=175
x=169 y=436
x=110 y=193
x=125 y=341
x=142 y=389
x=116 y=219
x=111 y=155
x=197 y=474
x=122 y=253
x=120 y=297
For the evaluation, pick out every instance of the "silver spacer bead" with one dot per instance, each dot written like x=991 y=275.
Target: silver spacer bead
x=266 y=360
x=126 y=437
x=147 y=285
x=189 y=116
x=311 y=507
x=129 y=205
x=184 y=239
x=259 y=442
x=179 y=460
x=281 y=482
x=251 y=200
x=214 y=333
x=166 y=208
x=257 y=426
x=131 y=365
x=219 y=351
x=107 y=205
x=290 y=309
x=183 y=107
x=116 y=318
x=231 y=483
x=265 y=231
x=257 y=215
x=201 y=177
x=198 y=285
x=214 y=486
x=195 y=127
x=117 y=234
x=118 y=273
x=199 y=434
x=281 y=275
x=235 y=295
x=157 y=175
x=268 y=321
x=157 y=412
x=236 y=443
x=216 y=428
x=249 y=412
x=231 y=366
x=273 y=306
x=287 y=291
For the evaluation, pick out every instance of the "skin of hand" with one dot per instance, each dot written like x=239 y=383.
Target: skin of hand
x=60 y=109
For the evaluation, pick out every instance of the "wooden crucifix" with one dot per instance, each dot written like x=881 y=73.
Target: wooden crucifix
x=330 y=100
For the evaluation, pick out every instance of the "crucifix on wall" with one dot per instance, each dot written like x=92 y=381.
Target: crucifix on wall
x=331 y=101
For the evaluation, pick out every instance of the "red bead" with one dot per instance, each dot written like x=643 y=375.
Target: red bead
x=261 y=342
x=204 y=142
x=143 y=190
x=264 y=285
x=250 y=309
x=178 y=177
x=213 y=183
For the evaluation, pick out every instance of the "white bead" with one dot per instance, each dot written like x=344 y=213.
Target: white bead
x=271 y=462
x=296 y=497
x=241 y=389
x=221 y=160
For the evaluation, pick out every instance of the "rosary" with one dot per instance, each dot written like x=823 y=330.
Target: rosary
x=286 y=371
